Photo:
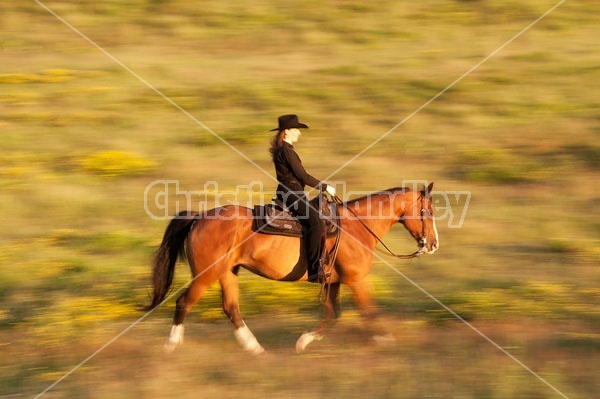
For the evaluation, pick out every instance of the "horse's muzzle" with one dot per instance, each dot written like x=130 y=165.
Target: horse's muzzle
x=427 y=249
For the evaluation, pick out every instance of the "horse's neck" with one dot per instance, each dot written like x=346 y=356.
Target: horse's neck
x=377 y=213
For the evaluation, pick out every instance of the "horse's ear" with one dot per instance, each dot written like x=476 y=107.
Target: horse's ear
x=429 y=190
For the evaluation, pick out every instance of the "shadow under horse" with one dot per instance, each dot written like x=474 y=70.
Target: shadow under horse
x=217 y=242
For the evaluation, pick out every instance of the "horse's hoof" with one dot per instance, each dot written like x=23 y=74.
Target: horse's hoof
x=257 y=351
x=169 y=347
x=305 y=339
x=384 y=339
x=175 y=338
x=248 y=341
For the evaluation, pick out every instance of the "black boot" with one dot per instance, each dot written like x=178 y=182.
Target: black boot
x=319 y=275
x=313 y=276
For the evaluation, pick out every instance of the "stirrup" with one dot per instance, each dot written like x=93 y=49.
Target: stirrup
x=321 y=276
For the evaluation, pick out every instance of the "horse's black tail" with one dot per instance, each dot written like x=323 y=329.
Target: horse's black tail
x=171 y=249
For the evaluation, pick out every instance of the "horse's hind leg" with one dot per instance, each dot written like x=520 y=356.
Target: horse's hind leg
x=331 y=311
x=231 y=307
x=185 y=302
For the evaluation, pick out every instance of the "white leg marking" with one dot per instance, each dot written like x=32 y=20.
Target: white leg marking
x=175 y=338
x=437 y=239
x=305 y=339
x=248 y=340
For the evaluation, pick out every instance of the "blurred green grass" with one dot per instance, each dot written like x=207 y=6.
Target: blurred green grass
x=82 y=138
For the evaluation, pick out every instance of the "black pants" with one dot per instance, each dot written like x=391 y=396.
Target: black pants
x=312 y=223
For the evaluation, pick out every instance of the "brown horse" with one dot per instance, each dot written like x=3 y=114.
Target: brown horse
x=219 y=241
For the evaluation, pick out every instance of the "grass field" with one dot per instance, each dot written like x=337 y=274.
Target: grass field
x=82 y=137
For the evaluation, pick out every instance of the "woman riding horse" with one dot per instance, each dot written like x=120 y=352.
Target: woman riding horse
x=292 y=178
x=218 y=242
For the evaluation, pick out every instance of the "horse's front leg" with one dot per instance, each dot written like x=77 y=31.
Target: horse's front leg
x=331 y=311
x=362 y=297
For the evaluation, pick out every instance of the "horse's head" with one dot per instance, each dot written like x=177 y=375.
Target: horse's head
x=417 y=217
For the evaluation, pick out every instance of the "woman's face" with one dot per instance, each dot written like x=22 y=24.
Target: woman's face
x=292 y=135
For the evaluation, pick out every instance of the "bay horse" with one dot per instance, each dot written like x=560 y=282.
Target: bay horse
x=217 y=242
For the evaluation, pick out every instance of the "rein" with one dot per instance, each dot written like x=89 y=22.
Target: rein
x=390 y=252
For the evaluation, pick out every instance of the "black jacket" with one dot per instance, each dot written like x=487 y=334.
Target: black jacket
x=290 y=172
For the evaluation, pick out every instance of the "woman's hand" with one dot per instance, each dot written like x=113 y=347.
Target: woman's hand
x=330 y=190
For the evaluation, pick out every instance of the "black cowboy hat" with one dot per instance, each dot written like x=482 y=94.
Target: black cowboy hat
x=289 y=122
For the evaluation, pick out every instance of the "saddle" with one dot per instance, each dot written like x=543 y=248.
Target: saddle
x=277 y=219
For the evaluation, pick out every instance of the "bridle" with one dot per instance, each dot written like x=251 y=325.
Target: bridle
x=422 y=241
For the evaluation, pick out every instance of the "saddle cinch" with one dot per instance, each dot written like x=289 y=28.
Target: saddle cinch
x=276 y=219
